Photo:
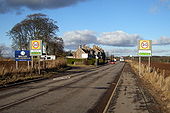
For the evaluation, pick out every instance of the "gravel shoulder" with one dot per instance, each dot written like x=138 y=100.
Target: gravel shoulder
x=131 y=97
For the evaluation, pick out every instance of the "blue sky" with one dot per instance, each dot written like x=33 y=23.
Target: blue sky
x=115 y=25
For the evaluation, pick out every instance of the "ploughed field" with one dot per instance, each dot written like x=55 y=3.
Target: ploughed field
x=160 y=66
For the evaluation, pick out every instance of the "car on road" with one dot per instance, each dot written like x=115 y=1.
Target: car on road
x=112 y=62
x=122 y=59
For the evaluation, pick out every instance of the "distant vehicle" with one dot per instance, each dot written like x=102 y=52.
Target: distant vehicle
x=121 y=59
x=48 y=57
x=112 y=62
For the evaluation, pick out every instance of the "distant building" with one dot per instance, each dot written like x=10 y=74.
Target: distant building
x=86 y=52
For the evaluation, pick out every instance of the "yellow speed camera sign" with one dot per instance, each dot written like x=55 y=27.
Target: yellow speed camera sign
x=144 y=44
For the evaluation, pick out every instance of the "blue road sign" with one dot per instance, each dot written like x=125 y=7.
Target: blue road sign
x=22 y=55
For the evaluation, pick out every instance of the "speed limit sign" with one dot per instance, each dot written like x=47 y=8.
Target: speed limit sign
x=35 y=47
x=144 y=44
x=145 y=48
x=36 y=44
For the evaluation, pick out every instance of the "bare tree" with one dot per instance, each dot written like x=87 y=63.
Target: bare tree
x=56 y=47
x=35 y=26
x=1 y=50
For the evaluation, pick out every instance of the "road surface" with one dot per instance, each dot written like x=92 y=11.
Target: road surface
x=75 y=93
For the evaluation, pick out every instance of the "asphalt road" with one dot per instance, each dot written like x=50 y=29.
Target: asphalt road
x=75 y=93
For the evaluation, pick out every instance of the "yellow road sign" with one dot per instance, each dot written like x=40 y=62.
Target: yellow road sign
x=145 y=45
x=35 y=47
x=36 y=44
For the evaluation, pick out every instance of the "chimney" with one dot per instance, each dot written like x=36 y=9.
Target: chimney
x=80 y=46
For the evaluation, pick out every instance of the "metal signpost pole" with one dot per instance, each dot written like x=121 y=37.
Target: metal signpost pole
x=43 y=64
x=39 y=71
x=17 y=65
x=32 y=63
x=139 y=65
x=28 y=65
x=22 y=55
x=144 y=49
x=149 y=62
x=36 y=50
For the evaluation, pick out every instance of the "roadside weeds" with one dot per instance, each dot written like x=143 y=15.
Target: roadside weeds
x=9 y=73
x=156 y=82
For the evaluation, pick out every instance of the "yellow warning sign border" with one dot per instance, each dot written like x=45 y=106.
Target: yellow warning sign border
x=39 y=45
x=149 y=42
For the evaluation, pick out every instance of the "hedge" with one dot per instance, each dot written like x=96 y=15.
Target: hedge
x=81 y=61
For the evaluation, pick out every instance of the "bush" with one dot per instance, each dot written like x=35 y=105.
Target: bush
x=91 y=61
x=81 y=61
x=73 y=60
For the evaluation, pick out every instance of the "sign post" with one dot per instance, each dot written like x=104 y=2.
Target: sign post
x=139 y=65
x=36 y=50
x=22 y=55
x=36 y=47
x=149 y=63
x=16 y=65
x=28 y=64
x=144 y=50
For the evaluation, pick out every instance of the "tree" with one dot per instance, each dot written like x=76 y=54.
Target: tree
x=56 y=47
x=6 y=52
x=1 y=50
x=34 y=27
x=68 y=53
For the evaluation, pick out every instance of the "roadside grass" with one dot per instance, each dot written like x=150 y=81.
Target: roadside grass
x=158 y=80
x=9 y=73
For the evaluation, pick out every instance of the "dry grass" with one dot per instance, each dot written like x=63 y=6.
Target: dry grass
x=9 y=73
x=156 y=77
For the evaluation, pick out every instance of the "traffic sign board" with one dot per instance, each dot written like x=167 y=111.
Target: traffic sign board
x=145 y=53
x=144 y=48
x=36 y=47
x=36 y=44
x=144 y=44
x=23 y=55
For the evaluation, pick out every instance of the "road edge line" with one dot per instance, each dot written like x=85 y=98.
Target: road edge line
x=108 y=103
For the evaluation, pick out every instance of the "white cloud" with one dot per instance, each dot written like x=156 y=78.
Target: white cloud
x=118 y=43
x=6 y=51
x=162 y=41
x=73 y=39
x=122 y=51
x=119 y=38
